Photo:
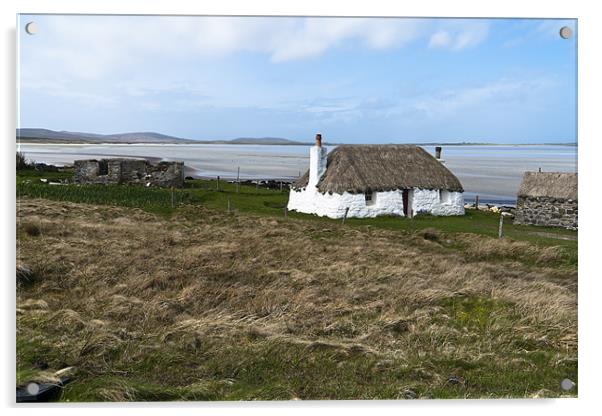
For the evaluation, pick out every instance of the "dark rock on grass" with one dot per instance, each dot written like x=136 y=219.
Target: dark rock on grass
x=409 y=394
x=31 y=229
x=38 y=392
x=35 y=392
x=454 y=381
x=24 y=275
x=430 y=234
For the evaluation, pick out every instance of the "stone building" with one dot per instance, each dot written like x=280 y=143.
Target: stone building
x=129 y=171
x=371 y=180
x=547 y=198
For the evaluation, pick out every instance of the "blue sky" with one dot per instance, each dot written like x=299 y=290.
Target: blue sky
x=386 y=80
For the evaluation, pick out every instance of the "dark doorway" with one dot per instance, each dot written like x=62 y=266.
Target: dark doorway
x=103 y=168
x=406 y=199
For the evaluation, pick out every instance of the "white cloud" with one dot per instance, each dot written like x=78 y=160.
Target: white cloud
x=440 y=38
x=312 y=37
x=142 y=61
x=504 y=90
x=89 y=47
x=298 y=38
x=285 y=39
x=459 y=34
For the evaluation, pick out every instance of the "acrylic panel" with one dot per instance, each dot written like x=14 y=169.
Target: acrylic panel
x=295 y=208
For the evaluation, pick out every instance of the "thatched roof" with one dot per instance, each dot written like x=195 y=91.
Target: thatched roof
x=549 y=184
x=377 y=168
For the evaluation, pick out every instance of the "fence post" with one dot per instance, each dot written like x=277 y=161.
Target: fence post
x=228 y=205
x=217 y=183
x=345 y=216
x=280 y=186
x=285 y=211
x=238 y=180
x=172 y=198
x=476 y=202
x=500 y=231
x=257 y=187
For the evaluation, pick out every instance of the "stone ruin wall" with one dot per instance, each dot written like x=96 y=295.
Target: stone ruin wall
x=546 y=211
x=129 y=171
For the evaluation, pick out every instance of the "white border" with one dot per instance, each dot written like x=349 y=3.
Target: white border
x=590 y=70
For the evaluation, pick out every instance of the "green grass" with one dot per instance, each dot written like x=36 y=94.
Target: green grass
x=34 y=174
x=477 y=313
x=248 y=199
x=248 y=369
x=155 y=200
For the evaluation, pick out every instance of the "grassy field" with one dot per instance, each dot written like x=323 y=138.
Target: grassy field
x=151 y=302
x=261 y=201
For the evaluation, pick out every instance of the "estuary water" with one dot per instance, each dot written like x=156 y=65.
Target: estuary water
x=493 y=172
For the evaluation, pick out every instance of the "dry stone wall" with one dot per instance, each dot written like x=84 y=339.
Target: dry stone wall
x=129 y=171
x=546 y=211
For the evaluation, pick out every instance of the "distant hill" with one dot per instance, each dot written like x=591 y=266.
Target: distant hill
x=51 y=136
x=259 y=140
x=32 y=135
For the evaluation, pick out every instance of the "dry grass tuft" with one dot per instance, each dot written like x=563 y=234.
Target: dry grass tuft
x=484 y=248
x=216 y=306
x=550 y=255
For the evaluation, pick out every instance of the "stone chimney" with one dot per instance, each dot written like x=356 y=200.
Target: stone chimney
x=438 y=154
x=317 y=162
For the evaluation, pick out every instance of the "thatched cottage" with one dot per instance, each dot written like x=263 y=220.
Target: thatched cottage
x=547 y=198
x=372 y=180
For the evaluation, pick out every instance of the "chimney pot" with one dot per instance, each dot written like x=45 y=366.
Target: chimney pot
x=438 y=152
x=318 y=140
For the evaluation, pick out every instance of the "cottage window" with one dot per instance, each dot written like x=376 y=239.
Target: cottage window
x=444 y=196
x=370 y=197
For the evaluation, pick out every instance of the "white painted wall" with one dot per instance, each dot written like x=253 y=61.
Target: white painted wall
x=334 y=205
x=428 y=200
x=311 y=201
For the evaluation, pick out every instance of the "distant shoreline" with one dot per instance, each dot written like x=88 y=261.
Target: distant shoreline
x=239 y=143
x=46 y=136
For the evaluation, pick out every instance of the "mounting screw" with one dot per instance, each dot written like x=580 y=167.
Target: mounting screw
x=31 y=28
x=565 y=32
x=33 y=388
x=567 y=384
